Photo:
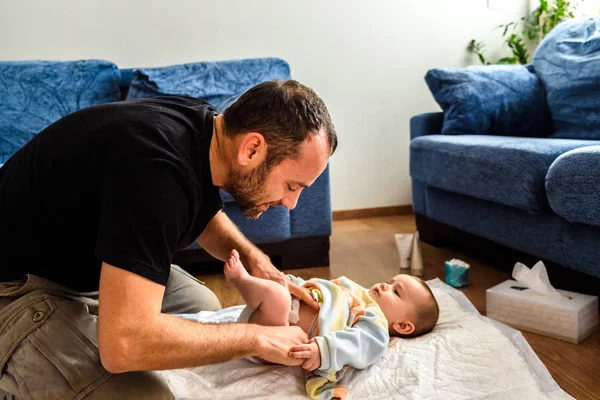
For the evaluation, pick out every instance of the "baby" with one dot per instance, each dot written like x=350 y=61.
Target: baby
x=352 y=327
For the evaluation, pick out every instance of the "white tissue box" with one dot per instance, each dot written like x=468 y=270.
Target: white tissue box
x=571 y=319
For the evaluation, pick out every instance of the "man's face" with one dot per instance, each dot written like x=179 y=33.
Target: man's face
x=256 y=190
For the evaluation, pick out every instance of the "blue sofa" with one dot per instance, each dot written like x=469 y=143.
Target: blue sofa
x=537 y=193
x=34 y=94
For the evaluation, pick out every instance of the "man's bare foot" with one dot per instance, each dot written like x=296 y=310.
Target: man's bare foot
x=234 y=269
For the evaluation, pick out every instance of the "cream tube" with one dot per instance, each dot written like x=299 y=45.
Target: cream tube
x=404 y=245
x=416 y=260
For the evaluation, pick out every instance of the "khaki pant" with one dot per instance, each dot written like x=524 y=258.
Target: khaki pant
x=49 y=341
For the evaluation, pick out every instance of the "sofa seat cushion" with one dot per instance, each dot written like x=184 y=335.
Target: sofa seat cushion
x=505 y=170
x=34 y=94
x=573 y=186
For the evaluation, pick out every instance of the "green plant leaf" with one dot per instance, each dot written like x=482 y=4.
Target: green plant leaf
x=507 y=27
x=518 y=48
x=476 y=47
x=508 y=60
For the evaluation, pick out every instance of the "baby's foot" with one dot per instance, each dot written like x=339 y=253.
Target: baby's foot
x=234 y=269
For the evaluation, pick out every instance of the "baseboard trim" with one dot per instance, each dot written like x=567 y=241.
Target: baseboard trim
x=372 y=212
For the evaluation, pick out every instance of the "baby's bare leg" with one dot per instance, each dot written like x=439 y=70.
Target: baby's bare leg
x=270 y=300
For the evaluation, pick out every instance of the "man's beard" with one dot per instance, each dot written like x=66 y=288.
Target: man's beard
x=248 y=189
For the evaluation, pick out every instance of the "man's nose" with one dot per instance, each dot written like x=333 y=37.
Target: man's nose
x=291 y=200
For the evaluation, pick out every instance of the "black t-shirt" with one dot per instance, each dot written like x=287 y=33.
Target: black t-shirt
x=127 y=183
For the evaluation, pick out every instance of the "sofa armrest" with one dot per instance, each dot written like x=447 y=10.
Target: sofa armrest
x=426 y=124
x=312 y=215
x=573 y=185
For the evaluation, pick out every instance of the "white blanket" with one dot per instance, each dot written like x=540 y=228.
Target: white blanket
x=467 y=356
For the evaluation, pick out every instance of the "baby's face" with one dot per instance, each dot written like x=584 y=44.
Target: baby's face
x=400 y=298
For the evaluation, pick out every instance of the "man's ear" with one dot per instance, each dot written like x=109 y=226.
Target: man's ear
x=252 y=150
x=402 y=328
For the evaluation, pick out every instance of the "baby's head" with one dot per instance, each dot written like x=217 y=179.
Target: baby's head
x=408 y=305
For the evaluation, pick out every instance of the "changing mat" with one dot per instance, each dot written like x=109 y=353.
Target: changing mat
x=467 y=356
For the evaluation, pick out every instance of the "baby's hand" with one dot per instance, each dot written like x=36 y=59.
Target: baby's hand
x=310 y=352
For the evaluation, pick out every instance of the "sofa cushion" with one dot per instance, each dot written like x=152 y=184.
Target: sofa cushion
x=568 y=63
x=226 y=197
x=37 y=93
x=573 y=185
x=312 y=215
x=272 y=226
x=126 y=77
x=501 y=169
x=491 y=99
x=219 y=83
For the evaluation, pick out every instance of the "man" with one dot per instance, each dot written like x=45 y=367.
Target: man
x=100 y=201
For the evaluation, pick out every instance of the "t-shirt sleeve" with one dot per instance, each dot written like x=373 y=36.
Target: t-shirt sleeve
x=144 y=212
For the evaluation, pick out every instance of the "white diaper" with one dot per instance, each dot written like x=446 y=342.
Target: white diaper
x=293 y=318
x=245 y=315
x=295 y=311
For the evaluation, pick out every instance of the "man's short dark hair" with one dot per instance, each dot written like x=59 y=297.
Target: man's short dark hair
x=285 y=113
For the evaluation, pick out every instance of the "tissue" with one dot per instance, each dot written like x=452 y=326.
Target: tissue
x=530 y=303
x=536 y=279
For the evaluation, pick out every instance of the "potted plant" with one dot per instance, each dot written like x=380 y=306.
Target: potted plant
x=532 y=29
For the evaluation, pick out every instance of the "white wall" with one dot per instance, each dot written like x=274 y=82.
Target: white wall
x=366 y=59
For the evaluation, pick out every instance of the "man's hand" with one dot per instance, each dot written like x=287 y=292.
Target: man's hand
x=309 y=353
x=263 y=268
x=275 y=343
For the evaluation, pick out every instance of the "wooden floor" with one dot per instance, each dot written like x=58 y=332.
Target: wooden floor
x=364 y=251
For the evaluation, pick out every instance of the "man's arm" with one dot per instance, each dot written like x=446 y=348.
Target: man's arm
x=134 y=335
x=221 y=236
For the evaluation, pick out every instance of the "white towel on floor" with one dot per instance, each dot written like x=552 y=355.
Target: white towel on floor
x=467 y=356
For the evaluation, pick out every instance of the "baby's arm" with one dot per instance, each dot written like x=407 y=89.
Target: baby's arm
x=359 y=346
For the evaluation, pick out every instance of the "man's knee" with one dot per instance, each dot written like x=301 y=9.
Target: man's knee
x=50 y=347
x=185 y=294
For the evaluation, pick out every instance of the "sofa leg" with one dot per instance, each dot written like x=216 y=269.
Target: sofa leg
x=427 y=231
